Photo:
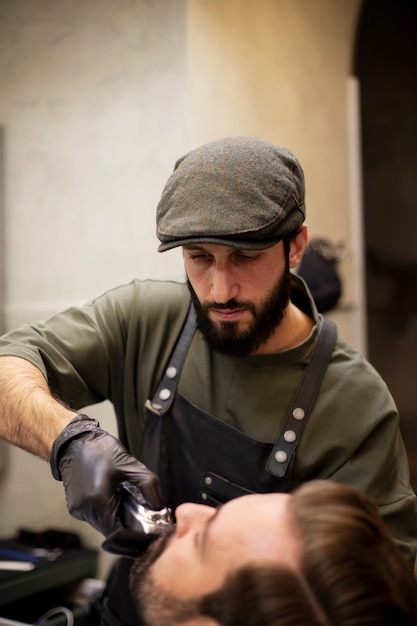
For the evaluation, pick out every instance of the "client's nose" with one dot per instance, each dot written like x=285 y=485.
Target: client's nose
x=189 y=516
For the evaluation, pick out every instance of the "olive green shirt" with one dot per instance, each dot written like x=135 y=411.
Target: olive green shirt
x=117 y=347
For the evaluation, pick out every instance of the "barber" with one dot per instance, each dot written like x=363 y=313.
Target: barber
x=207 y=378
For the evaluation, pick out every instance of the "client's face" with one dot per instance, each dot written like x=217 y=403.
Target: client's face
x=207 y=545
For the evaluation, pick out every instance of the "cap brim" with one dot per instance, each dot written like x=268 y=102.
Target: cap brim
x=240 y=244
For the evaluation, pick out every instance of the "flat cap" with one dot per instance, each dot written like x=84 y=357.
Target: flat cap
x=236 y=191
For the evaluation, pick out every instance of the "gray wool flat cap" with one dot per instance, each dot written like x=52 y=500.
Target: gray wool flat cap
x=237 y=191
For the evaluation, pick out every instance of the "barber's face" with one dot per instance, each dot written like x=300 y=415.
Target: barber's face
x=207 y=545
x=240 y=296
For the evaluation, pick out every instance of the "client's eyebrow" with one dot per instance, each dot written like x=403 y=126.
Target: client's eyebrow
x=204 y=539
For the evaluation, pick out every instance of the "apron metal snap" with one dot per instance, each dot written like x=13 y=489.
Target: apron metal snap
x=298 y=414
x=290 y=436
x=171 y=372
x=164 y=394
x=281 y=456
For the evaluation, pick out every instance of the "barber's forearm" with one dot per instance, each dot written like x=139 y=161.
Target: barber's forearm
x=29 y=415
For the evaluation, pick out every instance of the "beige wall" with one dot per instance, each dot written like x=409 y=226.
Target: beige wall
x=278 y=69
x=98 y=99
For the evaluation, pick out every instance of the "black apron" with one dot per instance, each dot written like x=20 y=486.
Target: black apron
x=199 y=458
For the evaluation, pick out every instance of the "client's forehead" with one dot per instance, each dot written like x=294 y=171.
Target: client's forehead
x=255 y=520
x=272 y=502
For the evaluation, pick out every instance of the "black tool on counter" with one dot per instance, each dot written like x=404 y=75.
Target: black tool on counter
x=140 y=524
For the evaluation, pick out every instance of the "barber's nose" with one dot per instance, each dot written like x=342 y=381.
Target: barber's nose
x=224 y=286
x=189 y=516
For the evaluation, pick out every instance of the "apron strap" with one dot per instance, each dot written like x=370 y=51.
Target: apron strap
x=281 y=456
x=165 y=393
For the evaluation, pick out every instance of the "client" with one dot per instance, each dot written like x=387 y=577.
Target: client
x=321 y=556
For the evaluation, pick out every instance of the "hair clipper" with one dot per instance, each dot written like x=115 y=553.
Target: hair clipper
x=141 y=524
x=136 y=515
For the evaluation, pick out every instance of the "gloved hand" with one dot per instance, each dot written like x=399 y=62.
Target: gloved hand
x=128 y=543
x=91 y=464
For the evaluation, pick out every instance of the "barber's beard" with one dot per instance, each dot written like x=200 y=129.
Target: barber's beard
x=226 y=337
x=154 y=604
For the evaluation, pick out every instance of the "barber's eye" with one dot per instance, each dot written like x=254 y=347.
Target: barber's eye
x=248 y=257
x=203 y=258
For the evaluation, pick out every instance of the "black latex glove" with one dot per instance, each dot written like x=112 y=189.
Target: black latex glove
x=91 y=464
x=129 y=543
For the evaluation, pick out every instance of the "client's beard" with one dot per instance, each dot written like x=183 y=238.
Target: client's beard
x=154 y=604
x=226 y=337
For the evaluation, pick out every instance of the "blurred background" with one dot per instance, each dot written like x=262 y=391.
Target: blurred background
x=98 y=98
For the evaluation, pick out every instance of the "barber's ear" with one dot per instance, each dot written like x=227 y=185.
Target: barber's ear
x=298 y=246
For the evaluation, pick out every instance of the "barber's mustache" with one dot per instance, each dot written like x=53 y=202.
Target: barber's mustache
x=231 y=304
